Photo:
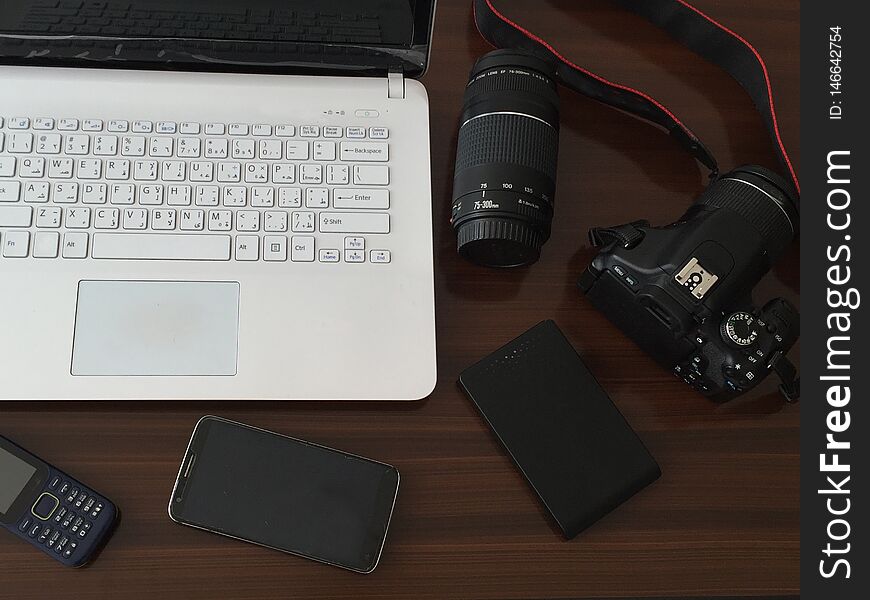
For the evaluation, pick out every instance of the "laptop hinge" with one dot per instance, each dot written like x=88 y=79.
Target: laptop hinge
x=395 y=85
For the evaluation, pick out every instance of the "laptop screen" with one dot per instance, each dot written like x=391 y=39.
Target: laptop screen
x=280 y=36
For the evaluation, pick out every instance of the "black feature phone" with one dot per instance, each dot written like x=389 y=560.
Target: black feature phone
x=286 y=494
x=49 y=509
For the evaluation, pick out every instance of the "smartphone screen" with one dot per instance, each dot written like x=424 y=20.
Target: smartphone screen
x=285 y=493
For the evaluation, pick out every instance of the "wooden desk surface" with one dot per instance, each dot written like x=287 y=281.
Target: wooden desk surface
x=722 y=520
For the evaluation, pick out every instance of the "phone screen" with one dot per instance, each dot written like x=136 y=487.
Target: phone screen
x=15 y=474
x=286 y=494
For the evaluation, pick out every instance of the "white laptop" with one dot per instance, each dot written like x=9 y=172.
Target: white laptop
x=215 y=199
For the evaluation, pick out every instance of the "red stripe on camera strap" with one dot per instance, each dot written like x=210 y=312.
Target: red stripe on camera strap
x=686 y=24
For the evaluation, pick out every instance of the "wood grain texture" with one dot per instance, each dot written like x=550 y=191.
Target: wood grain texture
x=722 y=520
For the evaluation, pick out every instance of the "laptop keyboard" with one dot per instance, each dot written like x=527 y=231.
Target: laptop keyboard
x=119 y=189
x=123 y=19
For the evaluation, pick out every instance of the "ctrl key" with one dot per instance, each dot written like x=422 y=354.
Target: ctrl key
x=301 y=248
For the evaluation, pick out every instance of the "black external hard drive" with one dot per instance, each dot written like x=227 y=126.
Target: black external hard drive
x=561 y=429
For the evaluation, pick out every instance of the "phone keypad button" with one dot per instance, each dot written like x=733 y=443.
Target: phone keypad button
x=64 y=488
x=89 y=504
x=72 y=495
x=97 y=510
x=43 y=535
x=25 y=523
x=61 y=545
x=55 y=538
x=54 y=482
x=58 y=517
x=70 y=549
x=34 y=531
x=80 y=500
x=77 y=525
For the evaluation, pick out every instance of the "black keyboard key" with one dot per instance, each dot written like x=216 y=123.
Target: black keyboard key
x=89 y=504
x=25 y=523
x=81 y=499
x=54 y=482
x=34 y=530
x=97 y=510
x=72 y=495
x=67 y=521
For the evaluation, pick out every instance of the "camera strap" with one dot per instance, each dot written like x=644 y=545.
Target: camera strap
x=686 y=24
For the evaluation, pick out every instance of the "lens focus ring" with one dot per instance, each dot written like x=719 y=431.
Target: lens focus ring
x=513 y=83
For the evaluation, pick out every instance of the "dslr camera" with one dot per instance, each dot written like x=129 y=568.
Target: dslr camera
x=682 y=292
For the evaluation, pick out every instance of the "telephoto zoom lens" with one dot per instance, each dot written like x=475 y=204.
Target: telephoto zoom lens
x=763 y=198
x=505 y=178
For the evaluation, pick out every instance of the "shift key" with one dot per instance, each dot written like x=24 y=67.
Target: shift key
x=336 y=222
x=15 y=216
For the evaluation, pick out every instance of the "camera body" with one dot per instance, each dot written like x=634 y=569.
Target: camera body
x=683 y=292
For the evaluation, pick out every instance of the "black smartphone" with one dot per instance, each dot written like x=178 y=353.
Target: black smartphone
x=50 y=510
x=284 y=493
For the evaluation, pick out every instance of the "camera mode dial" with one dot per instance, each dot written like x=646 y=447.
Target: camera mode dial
x=740 y=329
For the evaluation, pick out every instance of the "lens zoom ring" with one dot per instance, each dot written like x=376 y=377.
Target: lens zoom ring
x=510 y=139
x=756 y=207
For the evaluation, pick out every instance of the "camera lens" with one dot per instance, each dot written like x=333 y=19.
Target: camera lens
x=505 y=177
x=766 y=200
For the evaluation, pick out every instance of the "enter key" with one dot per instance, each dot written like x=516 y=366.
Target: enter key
x=360 y=198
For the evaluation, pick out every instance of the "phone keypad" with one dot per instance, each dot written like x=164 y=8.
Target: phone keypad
x=69 y=523
x=73 y=495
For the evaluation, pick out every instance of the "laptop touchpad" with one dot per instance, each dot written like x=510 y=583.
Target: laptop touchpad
x=156 y=328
